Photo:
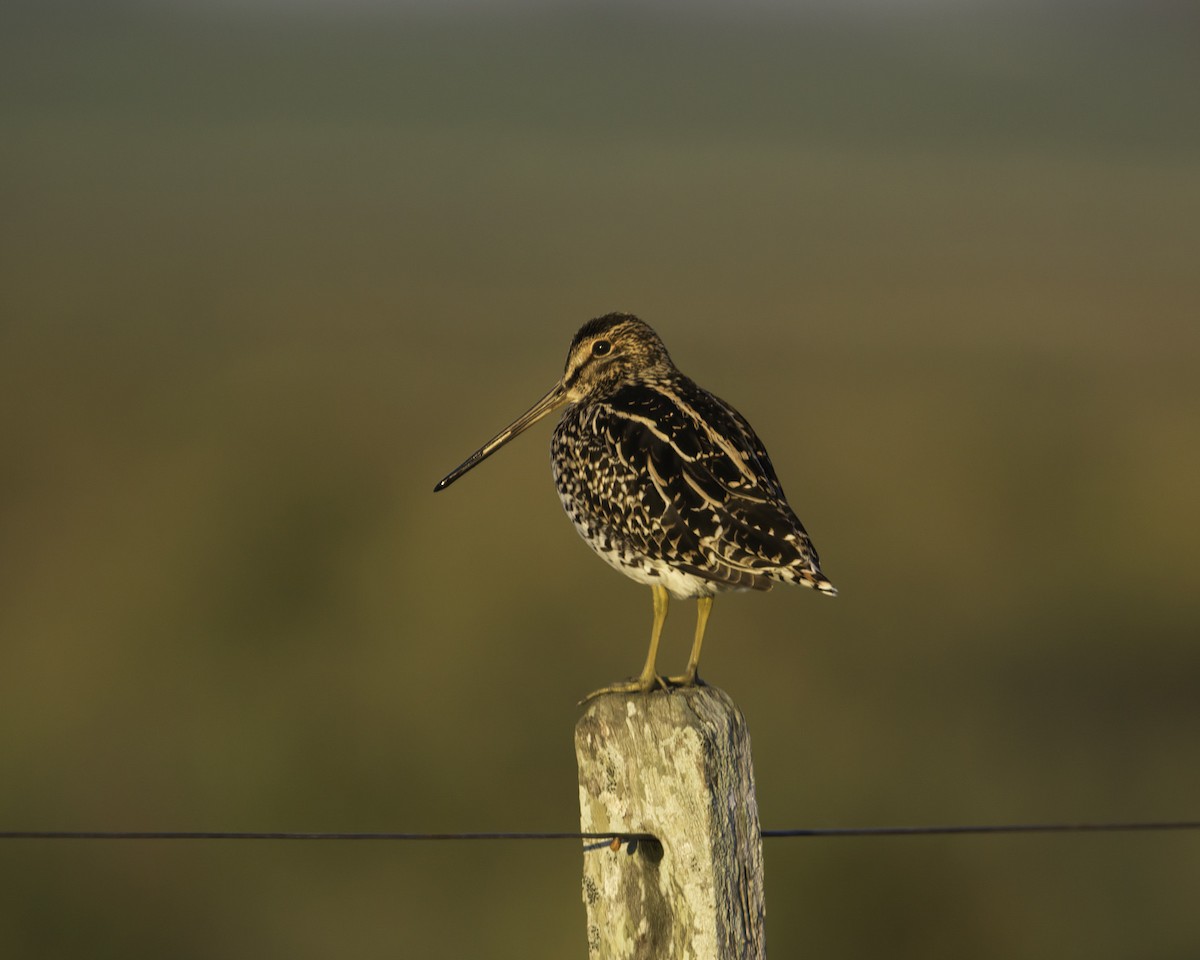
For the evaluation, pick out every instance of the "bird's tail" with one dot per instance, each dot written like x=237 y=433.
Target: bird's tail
x=815 y=579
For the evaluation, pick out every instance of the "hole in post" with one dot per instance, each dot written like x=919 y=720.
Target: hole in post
x=648 y=847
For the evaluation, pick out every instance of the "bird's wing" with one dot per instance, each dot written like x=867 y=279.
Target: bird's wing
x=719 y=497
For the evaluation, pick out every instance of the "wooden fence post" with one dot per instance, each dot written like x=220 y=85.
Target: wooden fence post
x=675 y=765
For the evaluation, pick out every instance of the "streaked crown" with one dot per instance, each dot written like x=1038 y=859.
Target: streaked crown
x=610 y=350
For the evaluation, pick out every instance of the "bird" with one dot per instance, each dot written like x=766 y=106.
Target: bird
x=668 y=483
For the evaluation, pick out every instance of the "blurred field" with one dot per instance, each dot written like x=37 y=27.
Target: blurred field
x=263 y=280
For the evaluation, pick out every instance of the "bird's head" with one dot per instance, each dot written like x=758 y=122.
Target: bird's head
x=611 y=350
x=605 y=353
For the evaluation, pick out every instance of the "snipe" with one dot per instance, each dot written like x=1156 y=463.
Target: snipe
x=665 y=481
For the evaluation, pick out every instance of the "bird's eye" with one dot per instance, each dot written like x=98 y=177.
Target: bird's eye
x=600 y=348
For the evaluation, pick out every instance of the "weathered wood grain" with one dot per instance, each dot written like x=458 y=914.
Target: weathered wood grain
x=676 y=765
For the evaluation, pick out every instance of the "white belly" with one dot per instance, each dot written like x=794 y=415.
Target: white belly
x=680 y=585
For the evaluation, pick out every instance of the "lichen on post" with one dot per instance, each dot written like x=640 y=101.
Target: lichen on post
x=675 y=765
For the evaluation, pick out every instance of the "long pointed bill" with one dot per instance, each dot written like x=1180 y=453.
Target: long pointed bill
x=550 y=402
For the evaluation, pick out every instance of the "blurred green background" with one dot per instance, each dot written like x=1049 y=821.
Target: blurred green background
x=268 y=273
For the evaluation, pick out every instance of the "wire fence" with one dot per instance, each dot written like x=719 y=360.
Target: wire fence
x=615 y=838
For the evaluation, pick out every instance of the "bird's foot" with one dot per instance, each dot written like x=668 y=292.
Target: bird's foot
x=690 y=678
x=640 y=685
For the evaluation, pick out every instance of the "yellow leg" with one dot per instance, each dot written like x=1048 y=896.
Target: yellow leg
x=648 y=679
x=703 y=609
